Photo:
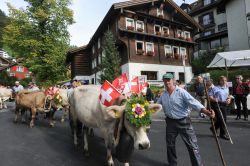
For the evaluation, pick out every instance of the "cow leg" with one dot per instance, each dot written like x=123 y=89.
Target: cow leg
x=66 y=111
x=23 y=120
x=51 y=115
x=33 y=116
x=16 y=114
x=4 y=105
x=108 y=143
x=85 y=141
x=126 y=164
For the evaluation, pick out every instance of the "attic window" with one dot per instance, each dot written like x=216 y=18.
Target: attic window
x=159 y=12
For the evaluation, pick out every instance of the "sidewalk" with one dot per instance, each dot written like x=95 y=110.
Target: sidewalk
x=196 y=118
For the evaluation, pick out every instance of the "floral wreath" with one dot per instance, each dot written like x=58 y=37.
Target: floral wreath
x=137 y=109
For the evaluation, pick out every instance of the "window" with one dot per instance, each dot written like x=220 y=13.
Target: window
x=165 y=30
x=157 y=29
x=176 y=52
x=207 y=2
x=93 y=50
x=94 y=63
x=215 y=43
x=99 y=59
x=206 y=19
x=139 y=26
x=19 y=68
x=139 y=47
x=183 y=52
x=187 y=35
x=207 y=33
x=179 y=33
x=130 y=24
x=150 y=48
x=168 y=51
x=99 y=43
x=159 y=12
x=221 y=9
x=151 y=75
x=12 y=74
x=222 y=27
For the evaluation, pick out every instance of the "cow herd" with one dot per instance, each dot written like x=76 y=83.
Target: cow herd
x=84 y=105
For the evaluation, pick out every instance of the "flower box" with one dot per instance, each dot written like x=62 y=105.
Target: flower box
x=150 y=53
x=160 y=16
x=166 y=34
x=130 y=28
x=169 y=55
x=189 y=39
x=139 y=52
x=176 y=56
x=139 y=29
x=180 y=37
x=158 y=33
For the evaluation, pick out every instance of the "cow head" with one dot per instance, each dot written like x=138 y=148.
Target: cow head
x=138 y=133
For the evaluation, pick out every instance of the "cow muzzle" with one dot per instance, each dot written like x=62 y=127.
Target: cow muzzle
x=144 y=146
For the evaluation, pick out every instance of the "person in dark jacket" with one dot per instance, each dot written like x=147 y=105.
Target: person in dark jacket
x=240 y=92
x=149 y=94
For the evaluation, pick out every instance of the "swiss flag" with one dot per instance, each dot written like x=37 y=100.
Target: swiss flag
x=108 y=94
x=136 y=87
x=121 y=83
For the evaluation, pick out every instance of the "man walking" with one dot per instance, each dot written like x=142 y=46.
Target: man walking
x=175 y=102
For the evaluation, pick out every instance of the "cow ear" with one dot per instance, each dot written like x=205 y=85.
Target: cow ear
x=115 y=112
x=154 y=108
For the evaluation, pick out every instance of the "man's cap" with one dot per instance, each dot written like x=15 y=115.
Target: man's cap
x=167 y=76
x=17 y=82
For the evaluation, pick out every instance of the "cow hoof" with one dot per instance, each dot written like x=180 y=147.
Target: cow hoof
x=62 y=120
x=52 y=125
x=15 y=121
x=86 y=153
x=31 y=126
x=23 y=121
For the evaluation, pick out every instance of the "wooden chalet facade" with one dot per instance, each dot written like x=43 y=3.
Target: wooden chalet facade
x=153 y=37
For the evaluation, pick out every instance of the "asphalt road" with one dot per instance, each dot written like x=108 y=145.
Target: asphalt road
x=45 y=146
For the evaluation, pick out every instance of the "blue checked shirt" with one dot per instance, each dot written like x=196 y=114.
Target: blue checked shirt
x=175 y=106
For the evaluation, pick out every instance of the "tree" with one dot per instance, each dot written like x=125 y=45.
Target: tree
x=39 y=35
x=111 y=60
x=3 y=23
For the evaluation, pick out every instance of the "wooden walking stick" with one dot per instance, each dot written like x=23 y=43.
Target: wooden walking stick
x=214 y=131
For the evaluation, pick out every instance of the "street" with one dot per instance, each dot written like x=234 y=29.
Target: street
x=45 y=146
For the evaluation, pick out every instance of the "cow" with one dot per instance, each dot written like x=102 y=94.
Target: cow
x=86 y=107
x=35 y=101
x=5 y=94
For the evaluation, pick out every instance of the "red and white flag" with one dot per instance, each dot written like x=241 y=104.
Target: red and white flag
x=108 y=94
x=121 y=83
x=135 y=85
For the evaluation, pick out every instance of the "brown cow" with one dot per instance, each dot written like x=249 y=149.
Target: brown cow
x=35 y=101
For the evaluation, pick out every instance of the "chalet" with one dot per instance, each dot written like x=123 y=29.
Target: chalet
x=153 y=37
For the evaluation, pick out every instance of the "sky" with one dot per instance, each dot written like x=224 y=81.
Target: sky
x=88 y=15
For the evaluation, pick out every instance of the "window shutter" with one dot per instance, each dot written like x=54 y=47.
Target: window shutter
x=211 y=16
x=200 y=20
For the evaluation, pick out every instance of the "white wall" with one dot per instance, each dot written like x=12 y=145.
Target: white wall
x=134 y=69
x=237 y=25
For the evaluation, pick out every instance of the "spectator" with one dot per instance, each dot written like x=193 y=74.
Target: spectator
x=179 y=84
x=33 y=87
x=18 y=87
x=200 y=91
x=149 y=94
x=240 y=92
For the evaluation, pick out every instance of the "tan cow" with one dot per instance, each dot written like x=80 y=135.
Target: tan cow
x=35 y=101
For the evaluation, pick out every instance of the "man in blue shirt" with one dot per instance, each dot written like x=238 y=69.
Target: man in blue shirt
x=175 y=102
x=220 y=99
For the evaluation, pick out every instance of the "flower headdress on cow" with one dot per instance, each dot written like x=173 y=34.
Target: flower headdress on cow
x=138 y=111
x=54 y=94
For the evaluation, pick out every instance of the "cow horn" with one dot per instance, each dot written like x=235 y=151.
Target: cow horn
x=154 y=107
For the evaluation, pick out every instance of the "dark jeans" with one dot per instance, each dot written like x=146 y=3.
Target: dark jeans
x=186 y=131
x=241 y=100
x=219 y=122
